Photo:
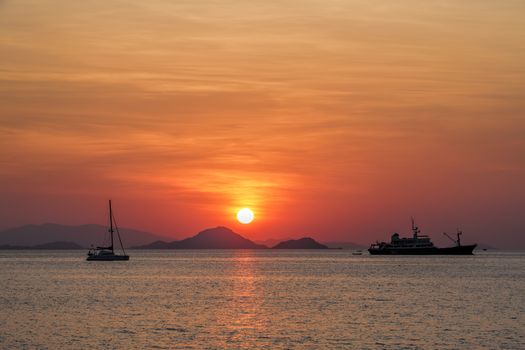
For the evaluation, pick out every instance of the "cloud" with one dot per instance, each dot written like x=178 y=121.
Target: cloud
x=325 y=107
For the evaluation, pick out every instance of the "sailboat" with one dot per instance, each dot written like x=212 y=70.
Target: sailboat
x=108 y=253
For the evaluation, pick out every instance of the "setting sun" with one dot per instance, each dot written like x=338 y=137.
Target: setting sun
x=335 y=121
x=245 y=216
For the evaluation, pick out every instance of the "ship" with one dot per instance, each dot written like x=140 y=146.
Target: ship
x=419 y=245
x=108 y=253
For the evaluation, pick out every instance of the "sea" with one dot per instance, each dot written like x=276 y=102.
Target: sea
x=261 y=299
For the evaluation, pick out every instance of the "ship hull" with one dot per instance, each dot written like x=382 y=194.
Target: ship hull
x=458 y=250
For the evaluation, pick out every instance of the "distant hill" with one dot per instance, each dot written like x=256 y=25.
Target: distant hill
x=58 y=245
x=51 y=246
x=83 y=235
x=344 y=245
x=270 y=242
x=213 y=238
x=302 y=243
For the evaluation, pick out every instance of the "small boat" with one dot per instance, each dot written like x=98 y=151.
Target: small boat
x=357 y=252
x=419 y=245
x=108 y=253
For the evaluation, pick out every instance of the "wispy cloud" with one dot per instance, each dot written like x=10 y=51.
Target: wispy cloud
x=295 y=106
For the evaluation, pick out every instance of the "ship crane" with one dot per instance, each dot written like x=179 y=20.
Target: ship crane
x=457 y=241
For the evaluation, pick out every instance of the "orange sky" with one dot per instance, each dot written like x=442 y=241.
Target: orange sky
x=336 y=119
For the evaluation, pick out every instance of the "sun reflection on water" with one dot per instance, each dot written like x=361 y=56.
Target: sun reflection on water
x=242 y=317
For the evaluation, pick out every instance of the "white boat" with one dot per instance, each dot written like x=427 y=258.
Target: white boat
x=108 y=253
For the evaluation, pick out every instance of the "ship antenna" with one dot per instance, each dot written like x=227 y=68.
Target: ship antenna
x=415 y=229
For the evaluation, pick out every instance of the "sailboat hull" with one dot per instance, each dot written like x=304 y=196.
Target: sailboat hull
x=107 y=258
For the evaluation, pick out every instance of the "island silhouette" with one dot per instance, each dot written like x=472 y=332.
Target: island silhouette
x=213 y=238
x=224 y=238
x=56 y=236
x=44 y=246
x=302 y=243
x=31 y=236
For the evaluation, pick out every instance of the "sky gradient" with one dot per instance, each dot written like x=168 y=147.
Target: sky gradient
x=335 y=119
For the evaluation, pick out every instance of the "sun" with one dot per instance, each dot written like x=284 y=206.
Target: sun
x=245 y=216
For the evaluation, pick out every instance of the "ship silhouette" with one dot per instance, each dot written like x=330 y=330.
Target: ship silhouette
x=419 y=245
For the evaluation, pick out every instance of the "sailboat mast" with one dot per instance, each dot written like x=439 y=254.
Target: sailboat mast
x=111 y=224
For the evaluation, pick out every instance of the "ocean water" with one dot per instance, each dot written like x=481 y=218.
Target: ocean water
x=244 y=299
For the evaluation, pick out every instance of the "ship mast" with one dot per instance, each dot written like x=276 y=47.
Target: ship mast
x=415 y=229
x=458 y=241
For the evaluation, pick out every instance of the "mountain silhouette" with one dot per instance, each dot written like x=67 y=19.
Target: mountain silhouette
x=83 y=235
x=344 y=245
x=302 y=243
x=213 y=238
x=45 y=246
x=270 y=242
x=58 y=245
